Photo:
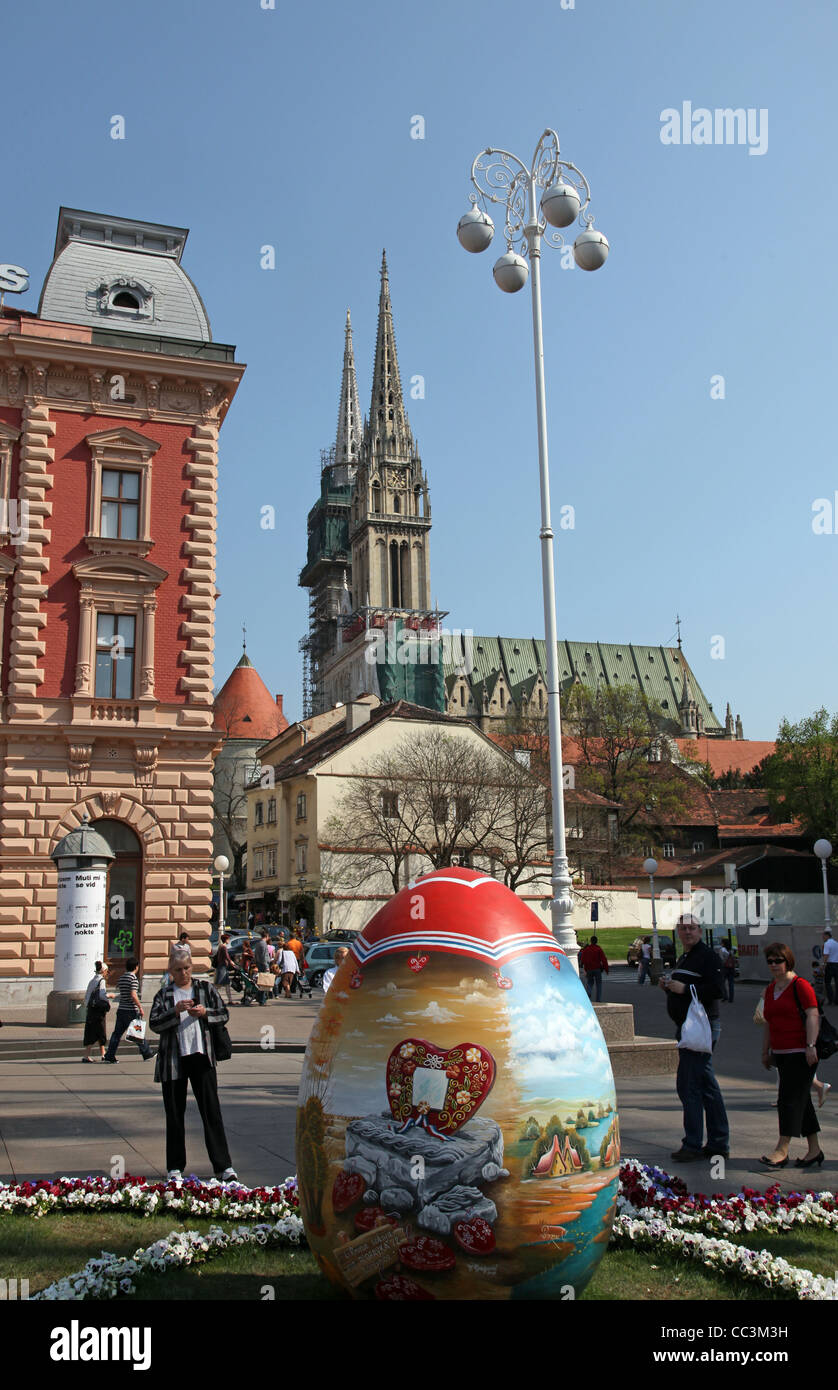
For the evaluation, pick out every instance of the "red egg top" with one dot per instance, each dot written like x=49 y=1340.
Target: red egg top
x=460 y=912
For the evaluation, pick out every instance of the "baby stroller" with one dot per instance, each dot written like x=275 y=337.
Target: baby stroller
x=243 y=985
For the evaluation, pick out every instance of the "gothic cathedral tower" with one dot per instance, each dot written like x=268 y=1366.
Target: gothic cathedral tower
x=368 y=561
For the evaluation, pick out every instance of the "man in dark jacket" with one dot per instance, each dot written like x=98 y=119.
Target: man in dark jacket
x=698 y=1089
x=593 y=961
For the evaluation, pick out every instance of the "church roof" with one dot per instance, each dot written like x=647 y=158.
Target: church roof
x=245 y=708
x=727 y=755
x=658 y=671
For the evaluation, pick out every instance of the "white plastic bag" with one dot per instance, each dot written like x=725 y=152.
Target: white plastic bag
x=695 y=1030
x=136 y=1029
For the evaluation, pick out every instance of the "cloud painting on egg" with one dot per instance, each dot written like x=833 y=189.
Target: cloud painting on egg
x=457 y=1133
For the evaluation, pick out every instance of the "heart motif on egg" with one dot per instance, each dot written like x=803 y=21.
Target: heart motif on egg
x=418 y=963
x=435 y=1088
x=357 y=977
x=555 y=961
x=503 y=981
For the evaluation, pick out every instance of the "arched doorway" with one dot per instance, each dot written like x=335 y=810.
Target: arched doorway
x=123 y=936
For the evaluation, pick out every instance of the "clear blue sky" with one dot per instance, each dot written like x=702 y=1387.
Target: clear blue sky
x=291 y=127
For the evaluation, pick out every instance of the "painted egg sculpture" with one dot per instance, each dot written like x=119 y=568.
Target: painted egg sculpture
x=457 y=1132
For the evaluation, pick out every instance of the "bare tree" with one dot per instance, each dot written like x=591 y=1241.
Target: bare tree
x=444 y=799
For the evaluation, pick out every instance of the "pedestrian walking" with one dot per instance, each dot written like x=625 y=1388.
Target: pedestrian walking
x=128 y=1008
x=730 y=964
x=184 y=1014
x=289 y=970
x=698 y=1089
x=261 y=956
x=98 y=1006
x=645 y=960
x=830 y=956
x=223 y=962
x=790 y=1035
x=593 y=961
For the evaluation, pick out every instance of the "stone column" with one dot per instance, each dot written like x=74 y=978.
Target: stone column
x=84 y=683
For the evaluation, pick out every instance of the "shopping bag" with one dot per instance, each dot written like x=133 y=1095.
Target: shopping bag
x=695 y=1030
x=136 y=1029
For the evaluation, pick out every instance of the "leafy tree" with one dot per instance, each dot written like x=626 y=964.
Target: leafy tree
x=623 y=753
x=531 y=1129
x=802 y=774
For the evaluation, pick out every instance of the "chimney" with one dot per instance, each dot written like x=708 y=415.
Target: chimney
x=356 y=715
x=279 y=703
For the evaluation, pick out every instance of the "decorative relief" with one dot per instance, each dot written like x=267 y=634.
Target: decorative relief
x=147 y=681
x=82 y=677
x=97 y=388
x=68 y=388
x=145 y=765
x=110 y=801
x=15 y=384
x=79 y=755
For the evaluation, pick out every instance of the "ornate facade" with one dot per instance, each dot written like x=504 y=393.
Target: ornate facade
x=111 y=401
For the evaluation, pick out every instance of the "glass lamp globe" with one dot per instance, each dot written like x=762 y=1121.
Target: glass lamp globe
x=823 y=849
x=511 y=273
x=560 y=204
x=221 y=864
x=650 y=866
x=475 y=230
x=590 y=249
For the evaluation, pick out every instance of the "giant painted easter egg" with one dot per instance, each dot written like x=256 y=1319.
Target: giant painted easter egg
x=457 y=1133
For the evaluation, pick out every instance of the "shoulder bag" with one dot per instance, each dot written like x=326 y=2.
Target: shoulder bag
x=222 y=1044
x=827 y=1039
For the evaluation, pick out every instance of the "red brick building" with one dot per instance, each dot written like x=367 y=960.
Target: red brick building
x=111 y=401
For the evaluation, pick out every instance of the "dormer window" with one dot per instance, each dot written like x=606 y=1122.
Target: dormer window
x=122 y=298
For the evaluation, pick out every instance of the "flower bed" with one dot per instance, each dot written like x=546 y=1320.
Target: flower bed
x=656 y=1209
x=228 y=1201
x=653 y=1209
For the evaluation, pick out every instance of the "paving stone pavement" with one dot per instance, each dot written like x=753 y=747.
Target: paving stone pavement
x=59 y=1116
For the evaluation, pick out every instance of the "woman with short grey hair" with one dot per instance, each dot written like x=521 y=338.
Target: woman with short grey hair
x=183 y=1014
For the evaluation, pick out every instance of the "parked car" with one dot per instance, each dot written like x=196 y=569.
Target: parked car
x=343 y=934
x=320 y=957
x=667 y=945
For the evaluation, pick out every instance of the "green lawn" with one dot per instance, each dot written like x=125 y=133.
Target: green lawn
x=614 y=941
x=57 y=1245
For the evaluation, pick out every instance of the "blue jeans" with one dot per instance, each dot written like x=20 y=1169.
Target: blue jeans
x=594 y=977
x=700 y=1097
x=124 y=1017
x=642 y=970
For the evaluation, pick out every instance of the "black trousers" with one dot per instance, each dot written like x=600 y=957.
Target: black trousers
x=795 y=1110
x=197 y=1070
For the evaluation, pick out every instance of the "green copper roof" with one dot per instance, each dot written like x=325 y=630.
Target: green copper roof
x=657 y=671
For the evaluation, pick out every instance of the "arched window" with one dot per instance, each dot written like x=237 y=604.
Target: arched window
x=397 y=506
x=125 y=300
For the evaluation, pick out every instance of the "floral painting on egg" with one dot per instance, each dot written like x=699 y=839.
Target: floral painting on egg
x=457 y=1131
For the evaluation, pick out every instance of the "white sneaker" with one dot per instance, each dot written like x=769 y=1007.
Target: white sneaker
x=174 y=1175
x=229 y=1175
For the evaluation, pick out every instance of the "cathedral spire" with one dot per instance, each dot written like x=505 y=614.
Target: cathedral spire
x=348 y=437
x=388 y=432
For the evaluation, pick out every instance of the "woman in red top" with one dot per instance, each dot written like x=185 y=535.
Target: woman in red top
x=792 y=1023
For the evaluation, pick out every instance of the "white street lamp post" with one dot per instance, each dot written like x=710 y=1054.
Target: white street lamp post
x=823 y=849
x=650 y=867
x=221 y=864
x=500 y=177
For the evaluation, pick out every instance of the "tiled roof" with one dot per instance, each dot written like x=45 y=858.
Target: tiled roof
x=245 y=708
x=726 y=754
x=303 y=759
x=657 y=671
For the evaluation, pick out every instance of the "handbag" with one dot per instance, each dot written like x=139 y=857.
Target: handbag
x=222 y=1044
x=98 y=1005
x=695 y=1030
x=826 y=1043
x=136 y=1029
x=265 y=980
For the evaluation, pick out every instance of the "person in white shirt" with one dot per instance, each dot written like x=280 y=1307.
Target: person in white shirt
x=830 y=956
x=289 y=970
x=340 y=955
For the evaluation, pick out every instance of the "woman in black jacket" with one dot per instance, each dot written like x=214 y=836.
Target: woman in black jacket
x=182 y=1013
